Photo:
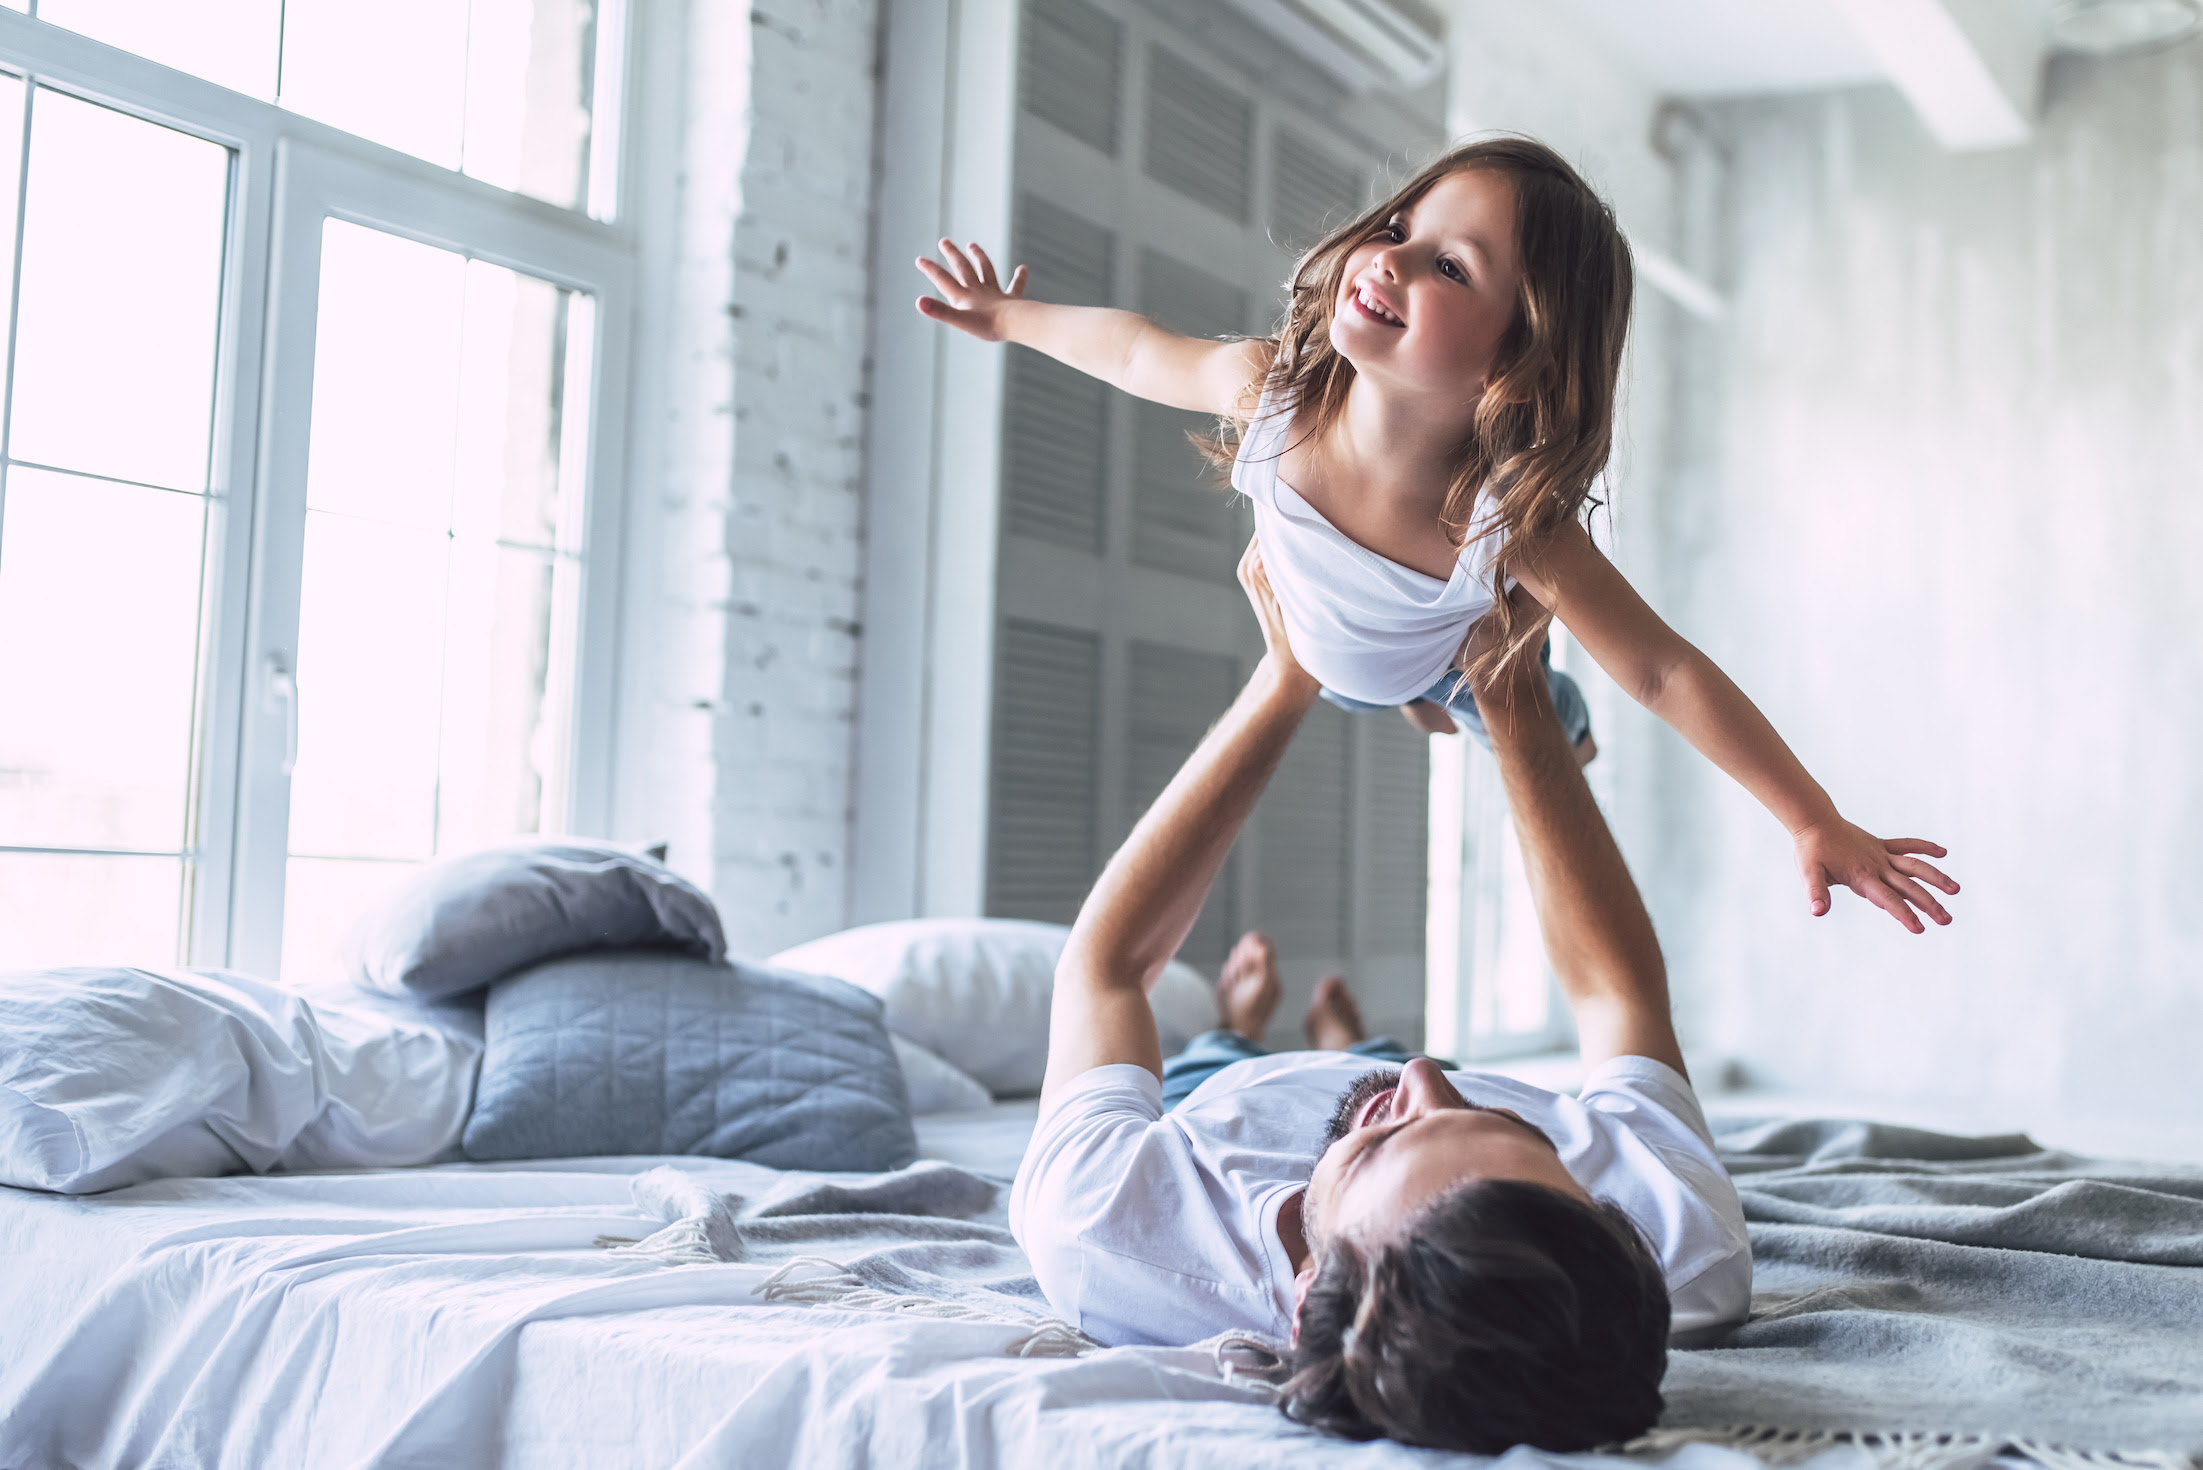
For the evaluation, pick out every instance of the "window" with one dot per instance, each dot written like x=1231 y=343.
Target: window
x=306 y=474
x=509 y=91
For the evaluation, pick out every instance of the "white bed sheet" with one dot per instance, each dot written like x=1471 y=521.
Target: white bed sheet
x=460 y=1315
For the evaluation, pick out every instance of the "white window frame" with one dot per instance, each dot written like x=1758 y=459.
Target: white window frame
x=288 y=174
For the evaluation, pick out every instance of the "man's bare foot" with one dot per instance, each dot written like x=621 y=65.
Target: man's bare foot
x=1429 y=718
x=1333 y=1022
x=1248 y=990
x=1587 y=751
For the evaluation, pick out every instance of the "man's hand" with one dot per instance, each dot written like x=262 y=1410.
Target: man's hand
x=1887 y=874
x=1256 y=579
x=975 y=298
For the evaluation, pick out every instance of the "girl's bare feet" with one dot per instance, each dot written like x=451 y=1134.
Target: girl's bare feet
x=1248 y=990
x=1333 y=1022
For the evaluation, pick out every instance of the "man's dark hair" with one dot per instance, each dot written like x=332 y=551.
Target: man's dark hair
x=1505 y=1313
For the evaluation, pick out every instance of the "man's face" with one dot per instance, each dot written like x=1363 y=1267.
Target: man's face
x=1401 y=1139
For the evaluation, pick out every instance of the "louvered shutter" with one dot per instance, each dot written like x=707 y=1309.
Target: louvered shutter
x=1074 y=57
x=1041 y=817
x=1311 y=192
x=1306 y=877
x=1396 y=872
x=1184 y=518
x=1200 y=135
x=1055 y=471
x=1175 y=694
x=1188 y=299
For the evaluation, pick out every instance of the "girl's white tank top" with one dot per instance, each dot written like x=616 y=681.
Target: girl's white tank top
x=1365 y=626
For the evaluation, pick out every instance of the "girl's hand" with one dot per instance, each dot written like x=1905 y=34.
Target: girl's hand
x=1255 y=578
x=1885 y=874
x=975 y=299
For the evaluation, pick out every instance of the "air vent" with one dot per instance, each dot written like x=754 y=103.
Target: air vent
x=1040 y=817
x=1200 y=135
x=1311 y=193
x=1074 y=58
x=1366 y=45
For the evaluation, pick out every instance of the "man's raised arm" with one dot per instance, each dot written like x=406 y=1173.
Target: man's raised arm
x=1597 y=932
x=1146 y=900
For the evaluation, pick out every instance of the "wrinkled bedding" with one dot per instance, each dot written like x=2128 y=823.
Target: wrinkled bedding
x=1913 y=1287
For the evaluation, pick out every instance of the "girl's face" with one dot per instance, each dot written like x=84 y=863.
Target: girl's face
x=1423 y=306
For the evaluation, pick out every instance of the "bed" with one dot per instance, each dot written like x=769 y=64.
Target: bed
x=1923 y=1302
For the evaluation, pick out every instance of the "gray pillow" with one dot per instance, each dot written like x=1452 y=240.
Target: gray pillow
x=639 y=1053
x=460 y=923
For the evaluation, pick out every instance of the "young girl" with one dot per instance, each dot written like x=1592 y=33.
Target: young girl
x=1419 y=440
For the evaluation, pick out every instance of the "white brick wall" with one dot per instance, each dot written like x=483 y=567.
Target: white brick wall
x=744 y=572
x=784 y=732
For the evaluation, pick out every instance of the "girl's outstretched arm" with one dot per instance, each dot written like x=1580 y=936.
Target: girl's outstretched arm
x=1121 y=348
x=1670 y=677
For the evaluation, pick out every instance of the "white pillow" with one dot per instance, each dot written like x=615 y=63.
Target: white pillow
x=935 y=1086
x=975 y=992
x=111 y=1077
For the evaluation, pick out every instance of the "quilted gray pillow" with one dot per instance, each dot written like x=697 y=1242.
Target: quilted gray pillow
x=642 y=1053
x=462 y=922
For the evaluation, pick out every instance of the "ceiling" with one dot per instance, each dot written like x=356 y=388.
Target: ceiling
x=1718 y=48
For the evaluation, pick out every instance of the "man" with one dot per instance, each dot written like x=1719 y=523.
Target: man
x=1459 y=1260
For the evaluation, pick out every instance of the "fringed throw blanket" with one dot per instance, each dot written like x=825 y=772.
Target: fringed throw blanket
x=1936 y=1299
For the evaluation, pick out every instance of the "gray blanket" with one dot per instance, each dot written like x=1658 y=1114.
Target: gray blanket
x=1913 y=1289
x=1914 y=1283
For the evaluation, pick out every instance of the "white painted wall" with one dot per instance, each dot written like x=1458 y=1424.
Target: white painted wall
x=755 y=162
x=1935 y=502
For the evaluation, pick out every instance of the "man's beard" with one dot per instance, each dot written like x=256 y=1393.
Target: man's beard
x=1353 y=1100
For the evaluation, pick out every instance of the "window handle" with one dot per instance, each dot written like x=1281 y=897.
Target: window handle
x=283 y=689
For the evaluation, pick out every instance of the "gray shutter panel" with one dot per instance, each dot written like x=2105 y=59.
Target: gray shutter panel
x=1397 y=876
x=1305 y=885
x=1070 y=259
x=1055 y=471
x=1074 y=58
x=1189 y=300
x=1200 y=135
x=1184 y=519
x=1311 y=193
x=1041 y=822
x=1175 y=695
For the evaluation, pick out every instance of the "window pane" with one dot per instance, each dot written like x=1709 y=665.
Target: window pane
x=395 y=71
x=436 y=635
x=500 y=87
x=386 y=377
x=229 y=42
x=122 y=270
x=370 y=672
x=322 y=898
x=62 y=909
x=11 y=162
x=99 y=626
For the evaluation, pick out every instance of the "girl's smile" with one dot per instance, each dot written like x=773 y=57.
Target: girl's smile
x=1425 y=303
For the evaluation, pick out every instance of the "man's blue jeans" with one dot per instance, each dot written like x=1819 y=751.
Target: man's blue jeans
x=1212 y=1051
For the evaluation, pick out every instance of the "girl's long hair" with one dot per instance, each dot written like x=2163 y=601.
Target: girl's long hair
x=1544 y=423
